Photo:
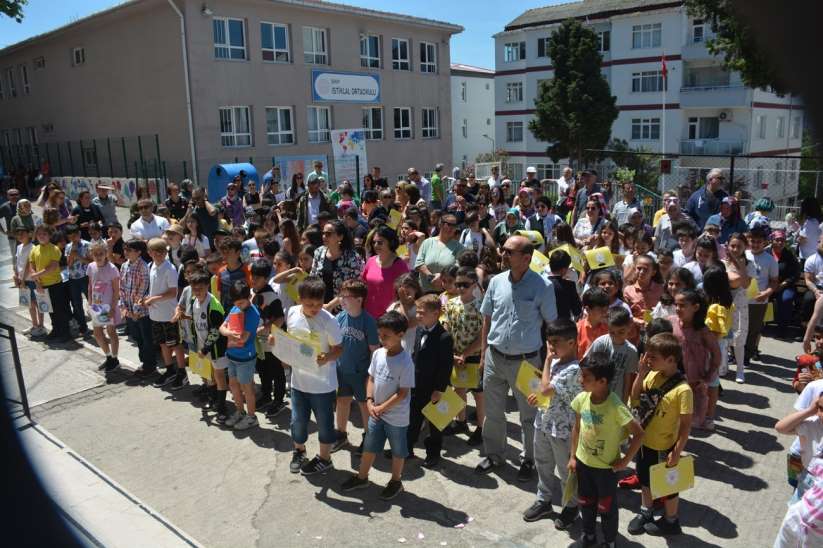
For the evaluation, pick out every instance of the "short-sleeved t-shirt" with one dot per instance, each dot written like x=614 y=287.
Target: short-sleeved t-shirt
x=437 y=257
x=558 y=419
x=78 y=269
x=161 y=278
x=324 y=329
x=391 y=373
x=602 y=429
x=662 y=430
x=719 y=318
x=814 y=265
x=766 y=267
x=251 y=319
x=463 y=321
x=41 y=256
x=380 y=282
x=359 y=333
x=587 y=334
x=623 y=359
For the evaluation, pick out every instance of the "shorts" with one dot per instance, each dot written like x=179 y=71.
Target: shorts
x=352 y=384
x=379 y=431
x=32 y=286
x=479 y=389
x=715 y=382
x=166 y=333
x=242 y=371
x=221 y=363
x=646 y=458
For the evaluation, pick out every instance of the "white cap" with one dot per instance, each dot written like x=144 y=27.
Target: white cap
x=531 y=169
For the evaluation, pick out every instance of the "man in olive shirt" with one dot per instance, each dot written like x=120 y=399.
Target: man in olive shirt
x=438 y=254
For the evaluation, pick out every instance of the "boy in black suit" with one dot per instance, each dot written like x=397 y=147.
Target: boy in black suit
x=565 y=292
x=433 y=357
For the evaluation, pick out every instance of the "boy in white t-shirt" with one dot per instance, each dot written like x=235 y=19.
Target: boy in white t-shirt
x=313 y=391
x=26 y=286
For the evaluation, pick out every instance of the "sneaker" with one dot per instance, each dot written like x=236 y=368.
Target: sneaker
x=476 y=438
x=566 y=519
x=105 y=365
x=341 y=441
x=485 y=466
x=180 y=380
x=708 y=424
x=275 y=409
x=221 y=417
x=740 y=378
x=234 y=418
x=431 y=461
x=263 y=403
x=526 y=471
x=143 y=372
x=629 y=482
x=585 y=541
x=39 y=331
x=456 y=427
x=113 y=365
x=354 y=482
x=537 y=511
x=637 y=526
x=28 y=330
x=298 y=459
x=663 y=527
x=248 y=421
x=392 y=489
x=166 y=378
x=200 y=390
x=317 y=465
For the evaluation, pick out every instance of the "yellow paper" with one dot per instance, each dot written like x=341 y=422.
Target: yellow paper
x=466 y=377
x=667 y=481
x=403 y=251
x=599 y=258
x=753 y=290
x=200 y=366
x=769 y=317
x=570 y=489
x=539 y=262
x=440 y=414
x=291 y=286
x=394 y=219
x=528 y=382
x=577 y=257
x=647 y=316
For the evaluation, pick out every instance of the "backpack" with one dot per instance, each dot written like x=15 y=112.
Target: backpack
x=650 y=399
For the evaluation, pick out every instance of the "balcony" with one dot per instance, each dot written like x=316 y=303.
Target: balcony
x=715 y=147
x=695 y=48
x=715 y=96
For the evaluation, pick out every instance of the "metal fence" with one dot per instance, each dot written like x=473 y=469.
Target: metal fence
x=17 y=399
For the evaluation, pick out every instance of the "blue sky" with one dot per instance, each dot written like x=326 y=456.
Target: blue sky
x=474 y=46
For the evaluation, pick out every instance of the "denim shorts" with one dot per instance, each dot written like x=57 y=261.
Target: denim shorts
x=352 y=384
x=242 y=371
x=379 y=431
x=302 y=406
x=32 y=286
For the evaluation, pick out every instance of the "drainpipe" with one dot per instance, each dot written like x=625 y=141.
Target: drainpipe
x=188 y=88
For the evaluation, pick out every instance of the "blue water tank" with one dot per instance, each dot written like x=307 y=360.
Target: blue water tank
x=220 y=175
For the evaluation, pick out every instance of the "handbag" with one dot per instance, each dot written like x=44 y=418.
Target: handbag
x=43 y=301
x=650 y=399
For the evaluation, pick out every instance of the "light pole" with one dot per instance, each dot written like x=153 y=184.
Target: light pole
x=492 y=140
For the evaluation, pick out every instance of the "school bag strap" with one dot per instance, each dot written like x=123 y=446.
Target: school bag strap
x=650 y=399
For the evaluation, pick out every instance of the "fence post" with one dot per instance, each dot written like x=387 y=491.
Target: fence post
x=71 y=160
x=157 y=152
x=731 y=175
x=140 y=150
x=111 y=162
x=185 y=170
x=96 y=158
x=136 y=178
x=125 y=160
x=163 y=172
x=48 y=156
x=60 y=160
x=82 y=159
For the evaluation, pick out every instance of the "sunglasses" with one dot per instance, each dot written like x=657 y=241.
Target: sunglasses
x=463 y=285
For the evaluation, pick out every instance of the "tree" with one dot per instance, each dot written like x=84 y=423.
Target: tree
x=575 y=110
x=13 y=8
x=499 y=155
x=735 y=41
x=646 y=167
x=810 y=165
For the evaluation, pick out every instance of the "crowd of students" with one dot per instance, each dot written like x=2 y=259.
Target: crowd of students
x=390 y=283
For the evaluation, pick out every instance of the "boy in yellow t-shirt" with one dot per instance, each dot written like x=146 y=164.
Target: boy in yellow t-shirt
x=667 y=431
x=599 y=429
x=44 y=269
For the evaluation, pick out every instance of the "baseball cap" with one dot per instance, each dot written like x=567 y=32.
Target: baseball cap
x=531 y=169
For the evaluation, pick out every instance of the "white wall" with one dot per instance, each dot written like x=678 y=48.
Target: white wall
x=478 y=112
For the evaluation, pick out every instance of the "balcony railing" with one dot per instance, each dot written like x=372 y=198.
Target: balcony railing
x=717 y=147
x=708 y=85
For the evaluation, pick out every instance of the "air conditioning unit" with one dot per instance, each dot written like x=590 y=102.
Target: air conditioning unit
x=725 y=116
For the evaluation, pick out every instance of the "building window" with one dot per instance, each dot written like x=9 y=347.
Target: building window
x=373 y=123
x=274 y=42
x=39 y=63
x=428 y=57
x=369 y=51
x=400 y=54
x=319 y=124
x=647 y=36
x=514 y=92
x=645 y=129
x=760 y=122
x=24 y=79
x=430 y=126
x=78 y=56
x=781 y=126
x=235 y=127
x=707 y=127
x=698 y=31
x=547 y=171
x=465 y=128
x=514 y=132
x=463 y=91
x=542 y=47
x=648 y=81
x=279 y=129
x=796 y=127
x=514 y=51
x=315 y=50
x=229 y=38
x=402 y=123
x=10 y=81
x=604 y=41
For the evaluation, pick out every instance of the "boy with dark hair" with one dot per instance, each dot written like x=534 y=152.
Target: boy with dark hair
x=553 y=425
x=593 y=324
x=77 y=259
x=667 y=413
x=359 y=341
x=134 y=285
x=622 y=354
x=600 y=423
x=231 y=250
x=391 y=376
x=272 y=376
x=565 y=291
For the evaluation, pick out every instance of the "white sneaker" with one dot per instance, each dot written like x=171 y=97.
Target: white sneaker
x=234 y=418
x=740 y=379
x=39 y=331
x=248 y=421
x=28 y=330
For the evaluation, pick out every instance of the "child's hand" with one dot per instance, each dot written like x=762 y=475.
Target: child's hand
x=545 y=387
x=370 y=407
x=620 y=464
x=532 y=399
x=572 y=466
x=270 y=340
x=322 y=358
x=378 y=410
x=436 y=396
x=672 y=459
x=261 y=330
x=459 y=361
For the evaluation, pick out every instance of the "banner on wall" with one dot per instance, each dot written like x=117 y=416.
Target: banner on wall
x=347 y=145
x=126 y=189
x=289 y=165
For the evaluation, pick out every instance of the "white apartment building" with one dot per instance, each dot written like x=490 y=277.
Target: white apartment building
x=472 y=113
x=707 y=109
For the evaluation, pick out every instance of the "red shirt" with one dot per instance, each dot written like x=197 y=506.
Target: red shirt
x=587 y=333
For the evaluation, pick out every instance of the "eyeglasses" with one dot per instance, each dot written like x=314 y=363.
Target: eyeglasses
x=463 y=285
x=713 y=230
x=507 y=251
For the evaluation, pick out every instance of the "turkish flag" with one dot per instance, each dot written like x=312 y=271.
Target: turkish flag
x=663 y=69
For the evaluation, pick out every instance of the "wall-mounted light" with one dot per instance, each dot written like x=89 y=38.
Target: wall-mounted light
x=205 y=10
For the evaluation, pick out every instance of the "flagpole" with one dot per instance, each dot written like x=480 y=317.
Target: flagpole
x=663 y=125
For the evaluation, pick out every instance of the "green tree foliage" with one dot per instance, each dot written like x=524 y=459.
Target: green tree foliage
x=735 y=41
x=13 y=8
x=645 y=167
x=810 y=162
x=575 y=109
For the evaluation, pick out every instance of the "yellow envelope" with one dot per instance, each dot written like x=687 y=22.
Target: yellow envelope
x=667 y=481
x=528 y=382
x=539 y=262
x=403 y=251
x=440 y=414
x=753 y=290
x=769 y=317
x=291 y=286
x=599 y=258
x=570 y=489
x=577 y=257
x=200 y=366
x=466 y=377
x=394 y=219
x=647 y=316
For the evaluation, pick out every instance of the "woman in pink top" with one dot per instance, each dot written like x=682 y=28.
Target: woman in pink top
x=381 y=270
x=644 y=294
